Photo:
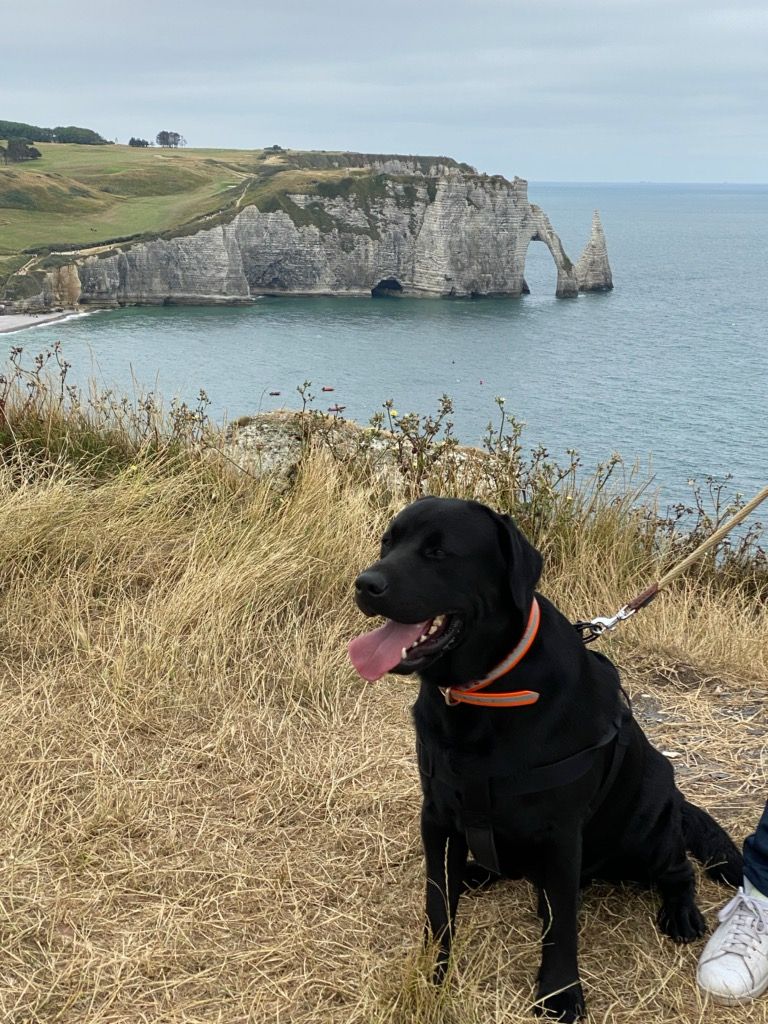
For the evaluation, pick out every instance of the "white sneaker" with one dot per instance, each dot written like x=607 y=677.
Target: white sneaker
x=734 y=965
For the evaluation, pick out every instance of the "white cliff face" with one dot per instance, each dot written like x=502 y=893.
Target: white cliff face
x=593 y=270
x=436 y=234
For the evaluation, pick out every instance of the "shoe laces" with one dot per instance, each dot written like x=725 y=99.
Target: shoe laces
x=748 y=918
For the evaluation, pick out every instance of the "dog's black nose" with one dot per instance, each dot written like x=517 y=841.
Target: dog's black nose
x=370 y=583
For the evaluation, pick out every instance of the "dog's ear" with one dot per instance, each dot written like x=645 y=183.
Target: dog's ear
x=524 y=562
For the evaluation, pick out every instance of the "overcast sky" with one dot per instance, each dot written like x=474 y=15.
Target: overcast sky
x=599 y=90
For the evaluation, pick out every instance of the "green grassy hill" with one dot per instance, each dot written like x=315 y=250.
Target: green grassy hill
x=80 y=197
x=77 y=195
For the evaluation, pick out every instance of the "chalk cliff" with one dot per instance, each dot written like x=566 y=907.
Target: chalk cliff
x=401 y=226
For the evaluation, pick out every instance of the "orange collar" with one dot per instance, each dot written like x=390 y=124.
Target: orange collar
x=469 y=694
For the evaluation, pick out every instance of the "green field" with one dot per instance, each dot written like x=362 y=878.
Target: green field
x=83 y=195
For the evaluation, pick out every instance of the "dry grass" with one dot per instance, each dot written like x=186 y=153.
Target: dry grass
x=208 y=817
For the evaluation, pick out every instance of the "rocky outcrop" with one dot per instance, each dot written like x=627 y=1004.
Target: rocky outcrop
x=593 y=270
x=273 y=444
x=57 y=287
x=411 y=228
x=65 y=286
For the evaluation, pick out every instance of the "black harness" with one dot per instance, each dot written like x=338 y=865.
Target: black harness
x=476 y=789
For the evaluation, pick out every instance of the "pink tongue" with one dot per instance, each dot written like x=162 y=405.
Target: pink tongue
x=377 y=652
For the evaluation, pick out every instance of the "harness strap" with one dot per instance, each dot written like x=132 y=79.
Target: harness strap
x=476 y=789
x=622 y=742
x=477 y=815
x=470 y=693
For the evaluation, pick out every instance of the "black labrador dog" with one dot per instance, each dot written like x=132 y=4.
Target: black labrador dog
x=558 y=783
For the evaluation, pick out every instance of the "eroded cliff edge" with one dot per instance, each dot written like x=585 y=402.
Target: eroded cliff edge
x=386 y=226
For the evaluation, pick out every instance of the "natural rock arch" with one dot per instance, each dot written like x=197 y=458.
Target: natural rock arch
x=592 y=273
x=542 y=231
x=541 y=269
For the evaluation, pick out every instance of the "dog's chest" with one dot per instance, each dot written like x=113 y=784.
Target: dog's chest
x=475 y=792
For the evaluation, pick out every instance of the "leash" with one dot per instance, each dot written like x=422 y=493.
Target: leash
x=594 y=628
x=472 y=693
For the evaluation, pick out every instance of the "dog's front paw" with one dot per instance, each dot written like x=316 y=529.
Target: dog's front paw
x=567 y=1005
x=682 y=922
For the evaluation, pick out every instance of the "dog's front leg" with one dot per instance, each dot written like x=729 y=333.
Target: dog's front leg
x=445 y=852
x=559 y=993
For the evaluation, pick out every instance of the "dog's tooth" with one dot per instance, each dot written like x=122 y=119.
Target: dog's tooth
x=403 y=654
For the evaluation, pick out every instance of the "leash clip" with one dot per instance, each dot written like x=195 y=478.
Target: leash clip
x=595 y=628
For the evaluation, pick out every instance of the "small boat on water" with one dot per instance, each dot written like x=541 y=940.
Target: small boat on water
x=329 y=389
x=336 y=408
x=274 y=393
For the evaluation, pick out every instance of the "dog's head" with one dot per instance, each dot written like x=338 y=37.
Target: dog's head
x=455 y=580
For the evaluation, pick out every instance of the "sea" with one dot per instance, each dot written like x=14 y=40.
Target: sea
x=669 y=370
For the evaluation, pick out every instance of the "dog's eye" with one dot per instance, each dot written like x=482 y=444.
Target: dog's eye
x=434 y=552
x=386 y=540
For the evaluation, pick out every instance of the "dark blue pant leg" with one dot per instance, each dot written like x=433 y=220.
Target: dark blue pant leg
x=756 y=855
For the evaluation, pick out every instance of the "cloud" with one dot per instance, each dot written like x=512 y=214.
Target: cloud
x=548 y=89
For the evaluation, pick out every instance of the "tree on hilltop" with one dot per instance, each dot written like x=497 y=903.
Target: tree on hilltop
x=170 y=140
x=19 y=150
x=30 y=132
x=34 y=133
x=138 y=143
x=78 y=136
